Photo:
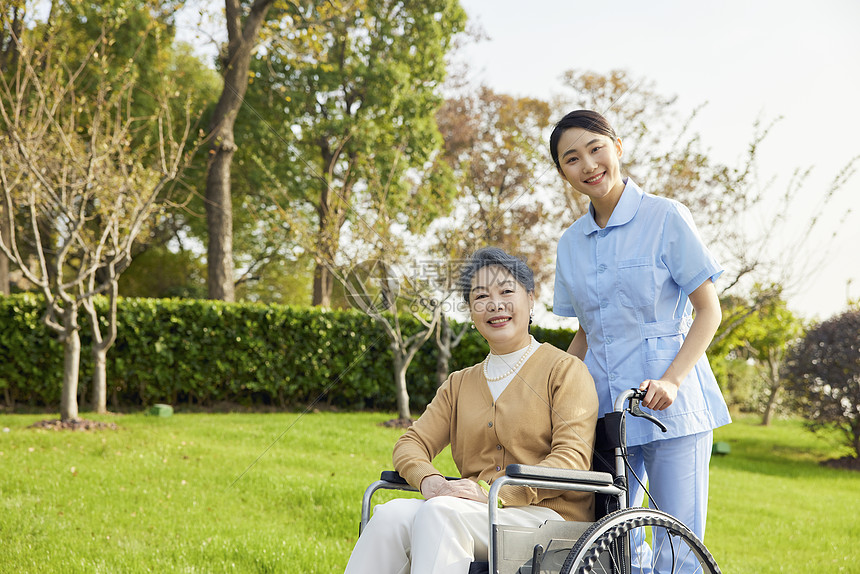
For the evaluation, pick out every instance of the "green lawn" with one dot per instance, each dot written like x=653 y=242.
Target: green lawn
x=169 y=495
x=773 y=508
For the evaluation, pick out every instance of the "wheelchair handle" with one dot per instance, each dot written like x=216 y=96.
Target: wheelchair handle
x=634 y=396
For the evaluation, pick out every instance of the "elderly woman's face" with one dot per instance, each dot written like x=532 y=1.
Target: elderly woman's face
x=500 y=308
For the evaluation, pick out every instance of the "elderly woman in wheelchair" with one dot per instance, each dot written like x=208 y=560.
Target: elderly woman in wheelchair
x=523 y=420
x=526 y=403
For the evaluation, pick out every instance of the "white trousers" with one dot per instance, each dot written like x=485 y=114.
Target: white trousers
x=676 y=472
x=440 y=535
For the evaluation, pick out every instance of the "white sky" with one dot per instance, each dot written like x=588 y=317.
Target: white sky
x=747 y=59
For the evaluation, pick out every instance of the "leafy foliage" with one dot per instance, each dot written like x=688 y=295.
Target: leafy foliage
x=180 y=274
x=205 y=352
x=340 y=124
x=748 y=359
x=494 y=145
x=823 y=375
x=88 y=142
x=32 y=359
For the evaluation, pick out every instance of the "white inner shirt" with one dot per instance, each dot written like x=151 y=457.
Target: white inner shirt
x=498 y=365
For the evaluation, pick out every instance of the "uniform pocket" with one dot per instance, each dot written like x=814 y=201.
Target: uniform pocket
x=636 y=286
x=656 y=362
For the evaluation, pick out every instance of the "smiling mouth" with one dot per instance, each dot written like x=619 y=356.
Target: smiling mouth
x=497 y=321
x=596 y=178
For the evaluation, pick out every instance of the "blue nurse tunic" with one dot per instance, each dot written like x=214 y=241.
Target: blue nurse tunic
x=627 y=284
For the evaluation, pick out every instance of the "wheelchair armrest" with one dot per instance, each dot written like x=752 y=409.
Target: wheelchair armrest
x=394 y=477
x=388 y=480
x=559 y=474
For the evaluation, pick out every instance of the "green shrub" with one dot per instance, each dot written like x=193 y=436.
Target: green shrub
x=200 y=352
x=31 y=360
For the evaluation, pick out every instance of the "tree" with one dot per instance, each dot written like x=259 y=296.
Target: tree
x=351 y=95
x=11 y=27
x=764 y=337
x=169 y=259
x=771 y=240
x=494 y=145
x=447 y=339
x=374 y=287
x=376 y=280
x=87 y=170
x=242 y=36
x=356 y=89
x=822 y=373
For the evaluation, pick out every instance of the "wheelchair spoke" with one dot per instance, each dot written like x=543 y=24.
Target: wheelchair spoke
x=617 y=543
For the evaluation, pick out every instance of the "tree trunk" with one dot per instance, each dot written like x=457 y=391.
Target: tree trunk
x=400 y=367
x=9 y=399
x=443 y=346
x=219 y=202
x=855 y=437
x=331 y=215
x=8 y=60
x=768 y=409
x=330 y=223
x=323 y=284
x=219 y=223
x=71 y=365
x=775 y=385
x=5 y=285
x=99 y=379
x=101 y=345
x=327 y=241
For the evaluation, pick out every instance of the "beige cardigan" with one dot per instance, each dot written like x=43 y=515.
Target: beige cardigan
x=545 y=416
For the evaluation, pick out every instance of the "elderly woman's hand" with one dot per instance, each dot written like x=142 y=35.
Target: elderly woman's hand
x=436 y=485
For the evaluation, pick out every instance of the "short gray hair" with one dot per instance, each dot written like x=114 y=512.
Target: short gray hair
x=487 y=256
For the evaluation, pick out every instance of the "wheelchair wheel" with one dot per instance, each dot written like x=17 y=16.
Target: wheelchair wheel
x=616 y=544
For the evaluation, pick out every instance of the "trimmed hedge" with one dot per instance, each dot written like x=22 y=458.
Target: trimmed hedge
x=200 y=352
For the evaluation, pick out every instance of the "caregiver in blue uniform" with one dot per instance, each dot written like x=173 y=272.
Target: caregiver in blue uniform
x=633 y=270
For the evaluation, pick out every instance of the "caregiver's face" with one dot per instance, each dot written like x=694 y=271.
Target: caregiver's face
x=590 y=163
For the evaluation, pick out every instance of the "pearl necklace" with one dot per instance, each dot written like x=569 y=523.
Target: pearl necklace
x=513 y=370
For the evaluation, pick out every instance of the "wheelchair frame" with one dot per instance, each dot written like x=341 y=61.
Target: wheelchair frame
x=606 y=539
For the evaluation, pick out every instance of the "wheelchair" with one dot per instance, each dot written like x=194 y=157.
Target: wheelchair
x=622 y=540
